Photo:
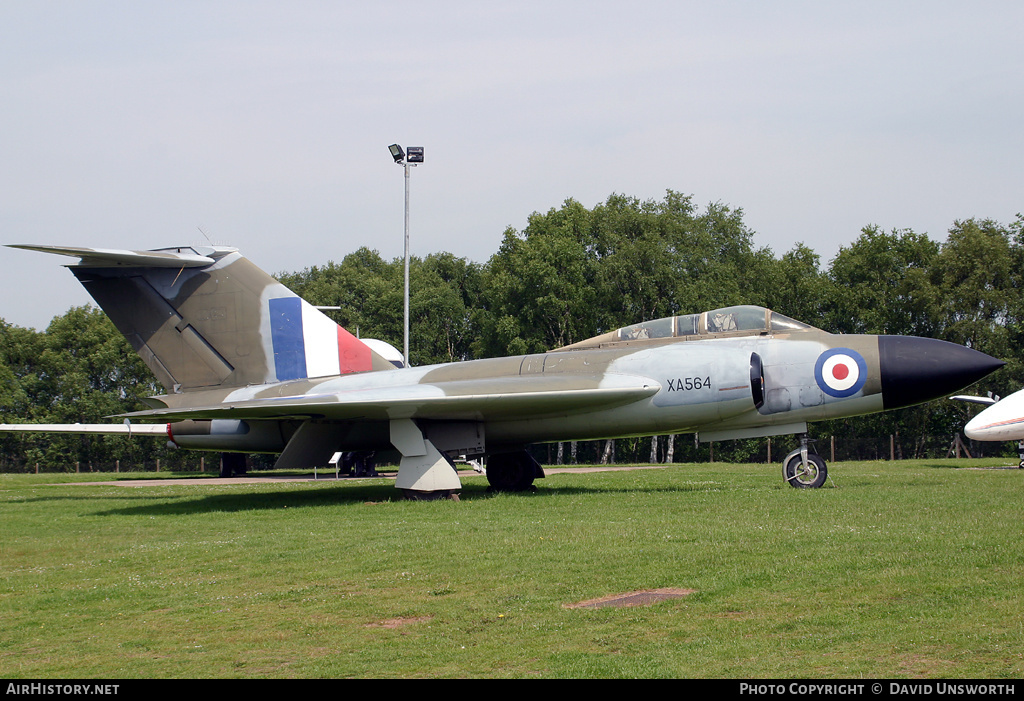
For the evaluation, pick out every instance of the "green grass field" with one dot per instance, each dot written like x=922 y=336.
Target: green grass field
x=893 y=570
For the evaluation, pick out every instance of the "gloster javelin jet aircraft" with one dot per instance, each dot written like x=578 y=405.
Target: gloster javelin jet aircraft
x=248 y=367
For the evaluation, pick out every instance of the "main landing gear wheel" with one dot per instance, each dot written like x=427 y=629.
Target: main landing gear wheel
x=512 y=472
x=811 y=476
x=232 y=464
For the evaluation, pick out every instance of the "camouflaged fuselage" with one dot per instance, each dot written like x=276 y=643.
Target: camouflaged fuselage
x=249 y=366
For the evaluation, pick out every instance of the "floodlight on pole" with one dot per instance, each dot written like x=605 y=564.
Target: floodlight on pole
x=415 y=157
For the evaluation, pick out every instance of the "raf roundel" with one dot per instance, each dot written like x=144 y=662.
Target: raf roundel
x=840 y=372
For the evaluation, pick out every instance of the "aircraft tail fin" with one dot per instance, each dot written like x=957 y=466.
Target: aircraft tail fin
x=205 y=316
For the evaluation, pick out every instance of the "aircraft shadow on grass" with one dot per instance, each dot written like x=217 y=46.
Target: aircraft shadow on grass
x=337 y=496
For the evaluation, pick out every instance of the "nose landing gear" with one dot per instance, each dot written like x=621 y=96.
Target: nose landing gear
x=804 y=468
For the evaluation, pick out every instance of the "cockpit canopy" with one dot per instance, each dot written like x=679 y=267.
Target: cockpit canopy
x=743 y=320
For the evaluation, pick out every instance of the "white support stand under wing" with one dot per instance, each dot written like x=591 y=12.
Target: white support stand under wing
x=423 y=468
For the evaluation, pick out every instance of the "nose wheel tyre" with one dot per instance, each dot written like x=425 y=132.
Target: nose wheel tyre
x=810 y=477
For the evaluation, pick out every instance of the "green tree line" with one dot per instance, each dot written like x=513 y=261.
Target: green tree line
x=572 y=273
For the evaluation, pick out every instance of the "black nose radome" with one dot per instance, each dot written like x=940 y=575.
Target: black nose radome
x=916 y=370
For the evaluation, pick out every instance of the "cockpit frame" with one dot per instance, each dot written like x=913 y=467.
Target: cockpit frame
x=727 y=322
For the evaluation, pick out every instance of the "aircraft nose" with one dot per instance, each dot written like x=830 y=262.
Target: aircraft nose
x=916 y=370
x=980 y=428
x=1002 y=421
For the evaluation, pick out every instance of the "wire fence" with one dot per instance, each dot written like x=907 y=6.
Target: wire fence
x=210 y=463
x=684 y=448
x=657 y=450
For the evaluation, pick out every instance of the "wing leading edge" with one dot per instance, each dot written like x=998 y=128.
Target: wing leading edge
x=106 y=429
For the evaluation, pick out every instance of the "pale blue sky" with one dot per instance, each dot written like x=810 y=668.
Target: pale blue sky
x=266 y=124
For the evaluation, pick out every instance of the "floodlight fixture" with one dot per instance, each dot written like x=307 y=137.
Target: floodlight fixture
x=415 y=157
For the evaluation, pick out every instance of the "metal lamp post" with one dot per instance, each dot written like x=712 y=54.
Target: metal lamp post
x=407 y=161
